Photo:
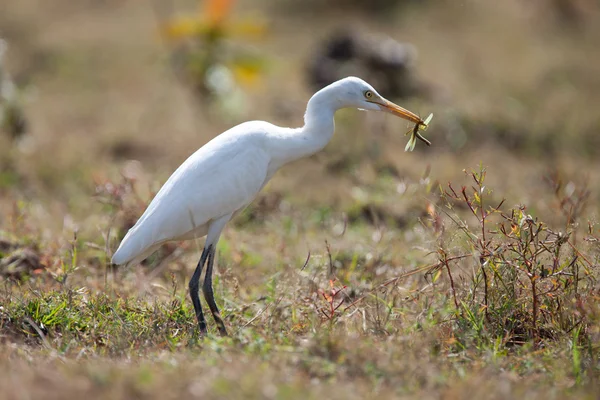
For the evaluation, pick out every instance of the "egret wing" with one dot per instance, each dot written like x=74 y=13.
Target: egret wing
x=217 y=180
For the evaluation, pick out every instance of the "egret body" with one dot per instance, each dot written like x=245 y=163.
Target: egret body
x=224 y=176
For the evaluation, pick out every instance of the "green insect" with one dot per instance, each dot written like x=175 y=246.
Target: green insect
x=415 y=134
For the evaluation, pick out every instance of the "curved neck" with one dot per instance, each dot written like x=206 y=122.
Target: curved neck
x=314 y=135
x=318 y=117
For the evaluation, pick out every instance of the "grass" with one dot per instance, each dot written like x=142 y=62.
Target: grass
x=505 y=298
x=361 y=271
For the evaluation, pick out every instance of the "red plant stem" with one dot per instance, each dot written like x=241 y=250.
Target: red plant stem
x=535 y=307
x=451 y=283
x=485 y=286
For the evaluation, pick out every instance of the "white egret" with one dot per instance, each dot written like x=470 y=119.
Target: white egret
x=224 y=176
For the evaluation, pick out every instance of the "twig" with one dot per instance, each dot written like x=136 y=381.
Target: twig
x=258 y=314
x=447 y=265
x=39 y=332
x=306 y=262
x=330 y=259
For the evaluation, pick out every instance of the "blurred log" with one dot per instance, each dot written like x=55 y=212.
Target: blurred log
x=379 y=59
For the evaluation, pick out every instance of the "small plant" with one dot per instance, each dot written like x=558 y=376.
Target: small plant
x=526 y=280
x=330 y=312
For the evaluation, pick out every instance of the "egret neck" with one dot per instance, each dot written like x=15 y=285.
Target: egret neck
x=318 y=129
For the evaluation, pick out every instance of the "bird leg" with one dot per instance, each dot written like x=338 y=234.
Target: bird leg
x=194 y=286
x=208 y=294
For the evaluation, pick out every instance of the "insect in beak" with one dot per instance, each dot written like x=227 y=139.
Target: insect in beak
x=415 y=134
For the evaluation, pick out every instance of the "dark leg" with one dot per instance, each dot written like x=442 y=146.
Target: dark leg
x=194 y=285
x=208 y=294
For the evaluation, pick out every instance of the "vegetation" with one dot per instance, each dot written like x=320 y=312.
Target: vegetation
x=469 y=268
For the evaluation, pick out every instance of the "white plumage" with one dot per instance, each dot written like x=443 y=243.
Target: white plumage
x=225 y=175
x=219 y=179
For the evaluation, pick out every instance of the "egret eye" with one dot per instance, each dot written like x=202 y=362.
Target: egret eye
x=369 y=94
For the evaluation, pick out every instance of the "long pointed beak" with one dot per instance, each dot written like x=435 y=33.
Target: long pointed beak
x=395 y=109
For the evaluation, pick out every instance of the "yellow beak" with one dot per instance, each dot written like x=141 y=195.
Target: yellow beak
x=395 y=109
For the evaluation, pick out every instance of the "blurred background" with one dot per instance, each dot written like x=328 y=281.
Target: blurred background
x=103 y=99
x=338 y=280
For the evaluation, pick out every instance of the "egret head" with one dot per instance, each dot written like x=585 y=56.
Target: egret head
x=354 y=92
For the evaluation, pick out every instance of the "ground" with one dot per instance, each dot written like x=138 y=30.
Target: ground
x=361 y=270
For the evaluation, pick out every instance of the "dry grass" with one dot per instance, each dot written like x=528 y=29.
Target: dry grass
x=408 y=291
